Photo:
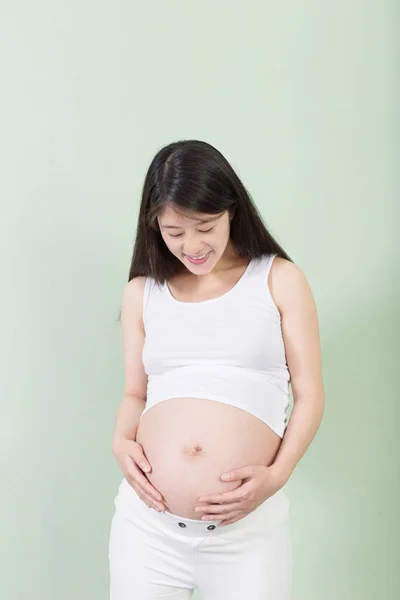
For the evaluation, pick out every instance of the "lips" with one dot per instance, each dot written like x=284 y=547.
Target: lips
x=197 y=260
x=197 y=257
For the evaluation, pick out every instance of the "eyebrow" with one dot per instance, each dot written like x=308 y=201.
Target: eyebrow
x=200 y=221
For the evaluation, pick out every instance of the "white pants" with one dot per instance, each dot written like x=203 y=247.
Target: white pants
x=156 y=555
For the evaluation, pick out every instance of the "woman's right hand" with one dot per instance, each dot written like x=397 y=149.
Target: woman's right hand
x=132 y=462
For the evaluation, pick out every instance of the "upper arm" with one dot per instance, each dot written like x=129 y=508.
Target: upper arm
x=133 y=338
x=300 y=329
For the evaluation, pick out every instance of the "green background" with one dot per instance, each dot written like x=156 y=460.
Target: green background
x=302 y=98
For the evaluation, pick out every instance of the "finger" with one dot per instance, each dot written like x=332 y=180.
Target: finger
x=220 y=509
x=148 y=500
x=224 y=517
x=135 y=463
x=225 y=498
x=141 y=480
x=232 y=520
x=136 y=452
x=242 y=473
x=150 y=503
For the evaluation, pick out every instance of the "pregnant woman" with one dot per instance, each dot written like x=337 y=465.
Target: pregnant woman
x=216 y=320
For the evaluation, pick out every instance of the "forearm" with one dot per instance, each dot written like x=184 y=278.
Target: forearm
x=303 y=425
x=127 y=418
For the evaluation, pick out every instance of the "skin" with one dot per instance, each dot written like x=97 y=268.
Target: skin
x=184 y=234
x=193 y=235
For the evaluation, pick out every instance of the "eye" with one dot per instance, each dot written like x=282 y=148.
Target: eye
x=200 y=230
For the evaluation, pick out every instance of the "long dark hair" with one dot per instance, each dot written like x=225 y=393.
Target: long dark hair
x=193 y=176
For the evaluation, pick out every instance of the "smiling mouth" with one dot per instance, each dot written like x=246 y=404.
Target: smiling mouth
x=197 y=257
x=198 y=260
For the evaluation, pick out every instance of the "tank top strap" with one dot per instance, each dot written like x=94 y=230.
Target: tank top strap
x=255 y=290
x=149 y=292
x=259 y=270
x=267 y=261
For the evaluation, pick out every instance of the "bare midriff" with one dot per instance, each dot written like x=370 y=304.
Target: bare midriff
x=190 y=442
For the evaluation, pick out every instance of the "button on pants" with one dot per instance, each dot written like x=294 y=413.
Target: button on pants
x=156 y=555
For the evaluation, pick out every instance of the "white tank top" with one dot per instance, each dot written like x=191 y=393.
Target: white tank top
x=229 y=349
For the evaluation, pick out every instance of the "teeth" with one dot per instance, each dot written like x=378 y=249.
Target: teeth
x=198 y=257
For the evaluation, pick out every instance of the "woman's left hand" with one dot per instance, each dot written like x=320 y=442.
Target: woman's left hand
x=259 y=483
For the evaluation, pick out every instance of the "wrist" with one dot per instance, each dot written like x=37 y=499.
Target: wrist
x=117 y=441
x=280 y=474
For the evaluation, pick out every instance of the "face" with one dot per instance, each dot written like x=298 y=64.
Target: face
x=198 y=240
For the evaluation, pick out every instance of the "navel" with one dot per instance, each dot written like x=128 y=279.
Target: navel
x=193 y=450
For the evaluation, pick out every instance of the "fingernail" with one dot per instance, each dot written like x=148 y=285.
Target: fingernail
x=144 y=467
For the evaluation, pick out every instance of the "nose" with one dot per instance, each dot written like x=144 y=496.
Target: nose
x=191 y=248
x=194 y=252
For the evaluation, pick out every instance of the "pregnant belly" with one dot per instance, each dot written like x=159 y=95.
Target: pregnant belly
x=190 y=442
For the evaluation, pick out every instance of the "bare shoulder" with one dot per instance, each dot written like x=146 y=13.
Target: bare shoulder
x=134 y=288
x=289 y=286
x=132 y=300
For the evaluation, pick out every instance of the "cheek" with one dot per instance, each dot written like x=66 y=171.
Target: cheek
x=223 y=236
x=172 y=245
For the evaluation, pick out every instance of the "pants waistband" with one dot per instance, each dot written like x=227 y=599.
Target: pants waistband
x=189 y=527
x=176 y=523
x=272 y=510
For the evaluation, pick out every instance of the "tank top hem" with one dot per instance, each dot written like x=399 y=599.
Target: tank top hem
x=276 y=427
x=228 y=349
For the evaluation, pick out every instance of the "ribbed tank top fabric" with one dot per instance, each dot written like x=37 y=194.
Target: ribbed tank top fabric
x=229 y=349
